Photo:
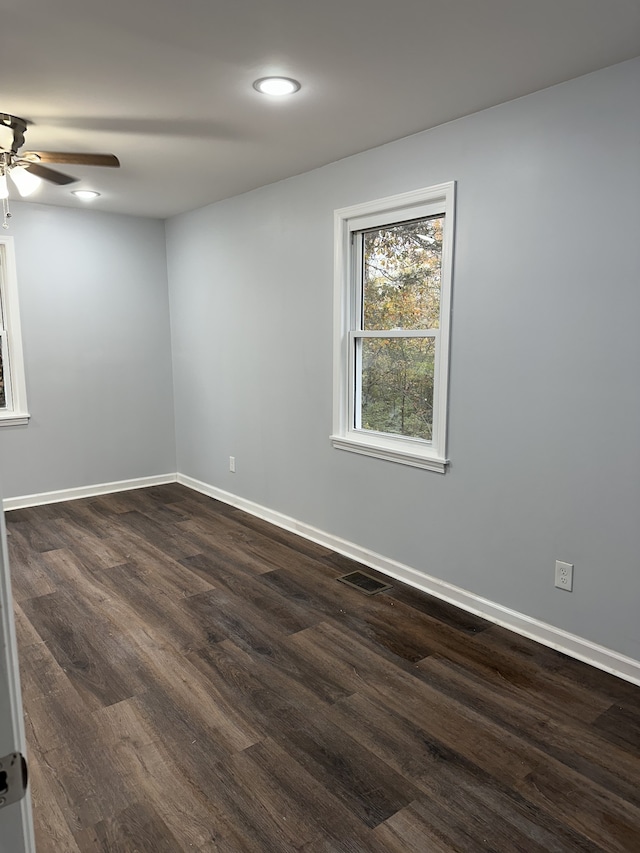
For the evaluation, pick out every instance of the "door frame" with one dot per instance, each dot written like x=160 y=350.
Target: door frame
x=16 y=820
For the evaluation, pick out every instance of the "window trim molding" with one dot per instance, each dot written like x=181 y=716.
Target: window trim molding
x=18 y=414
x=427 y=201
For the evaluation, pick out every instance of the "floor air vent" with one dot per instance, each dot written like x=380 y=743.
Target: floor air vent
x=365 y=583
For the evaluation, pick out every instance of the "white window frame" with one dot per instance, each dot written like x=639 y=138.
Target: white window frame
x=16 y=412
x=430 y=201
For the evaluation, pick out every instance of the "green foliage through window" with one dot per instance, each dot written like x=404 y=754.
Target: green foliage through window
x=397 y=385
x=401 y=279
x=401 y=275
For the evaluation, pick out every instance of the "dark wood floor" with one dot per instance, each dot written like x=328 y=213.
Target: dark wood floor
x=196 y=680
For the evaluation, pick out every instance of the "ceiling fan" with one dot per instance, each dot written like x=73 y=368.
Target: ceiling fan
x=26 y=168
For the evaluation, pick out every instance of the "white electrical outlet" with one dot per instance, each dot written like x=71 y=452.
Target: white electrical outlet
x=232 y=464
x=564 y=575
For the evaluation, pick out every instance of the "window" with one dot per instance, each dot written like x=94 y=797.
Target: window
x=13 y=396
x=393 y=263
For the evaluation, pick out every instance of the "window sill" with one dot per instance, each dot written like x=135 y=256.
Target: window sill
x=392 y=452
x=14 y=419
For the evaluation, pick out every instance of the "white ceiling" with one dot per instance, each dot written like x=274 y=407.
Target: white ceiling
x=166 y=84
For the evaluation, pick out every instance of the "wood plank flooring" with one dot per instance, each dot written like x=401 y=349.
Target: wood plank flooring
x=196 y=680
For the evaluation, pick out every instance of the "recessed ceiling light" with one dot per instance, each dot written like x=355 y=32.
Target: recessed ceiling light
x=85 y=195
x=276 y=85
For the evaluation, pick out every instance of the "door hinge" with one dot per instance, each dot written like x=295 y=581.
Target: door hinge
x=13 y=778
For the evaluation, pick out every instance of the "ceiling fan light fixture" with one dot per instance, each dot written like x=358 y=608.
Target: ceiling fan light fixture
x=277 y=86
x=85 y=195
x=24 y=180
x=4 y=187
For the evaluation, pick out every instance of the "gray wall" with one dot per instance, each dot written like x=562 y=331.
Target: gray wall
x=545 y=398
x=95 y=323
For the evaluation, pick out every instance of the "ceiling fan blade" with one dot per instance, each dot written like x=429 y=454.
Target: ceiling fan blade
x=75 y=158
x=47 y=174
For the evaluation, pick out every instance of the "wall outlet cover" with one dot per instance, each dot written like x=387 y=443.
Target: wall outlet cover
x=564 y=575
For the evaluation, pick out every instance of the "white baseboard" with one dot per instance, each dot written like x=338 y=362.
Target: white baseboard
x=556 y=638
x=86 y=491
x=570 y=644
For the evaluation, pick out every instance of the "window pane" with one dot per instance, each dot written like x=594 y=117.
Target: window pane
x=397 y=385
x=401 y=275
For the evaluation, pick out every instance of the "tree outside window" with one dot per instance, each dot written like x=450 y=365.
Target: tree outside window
x=393 y=262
